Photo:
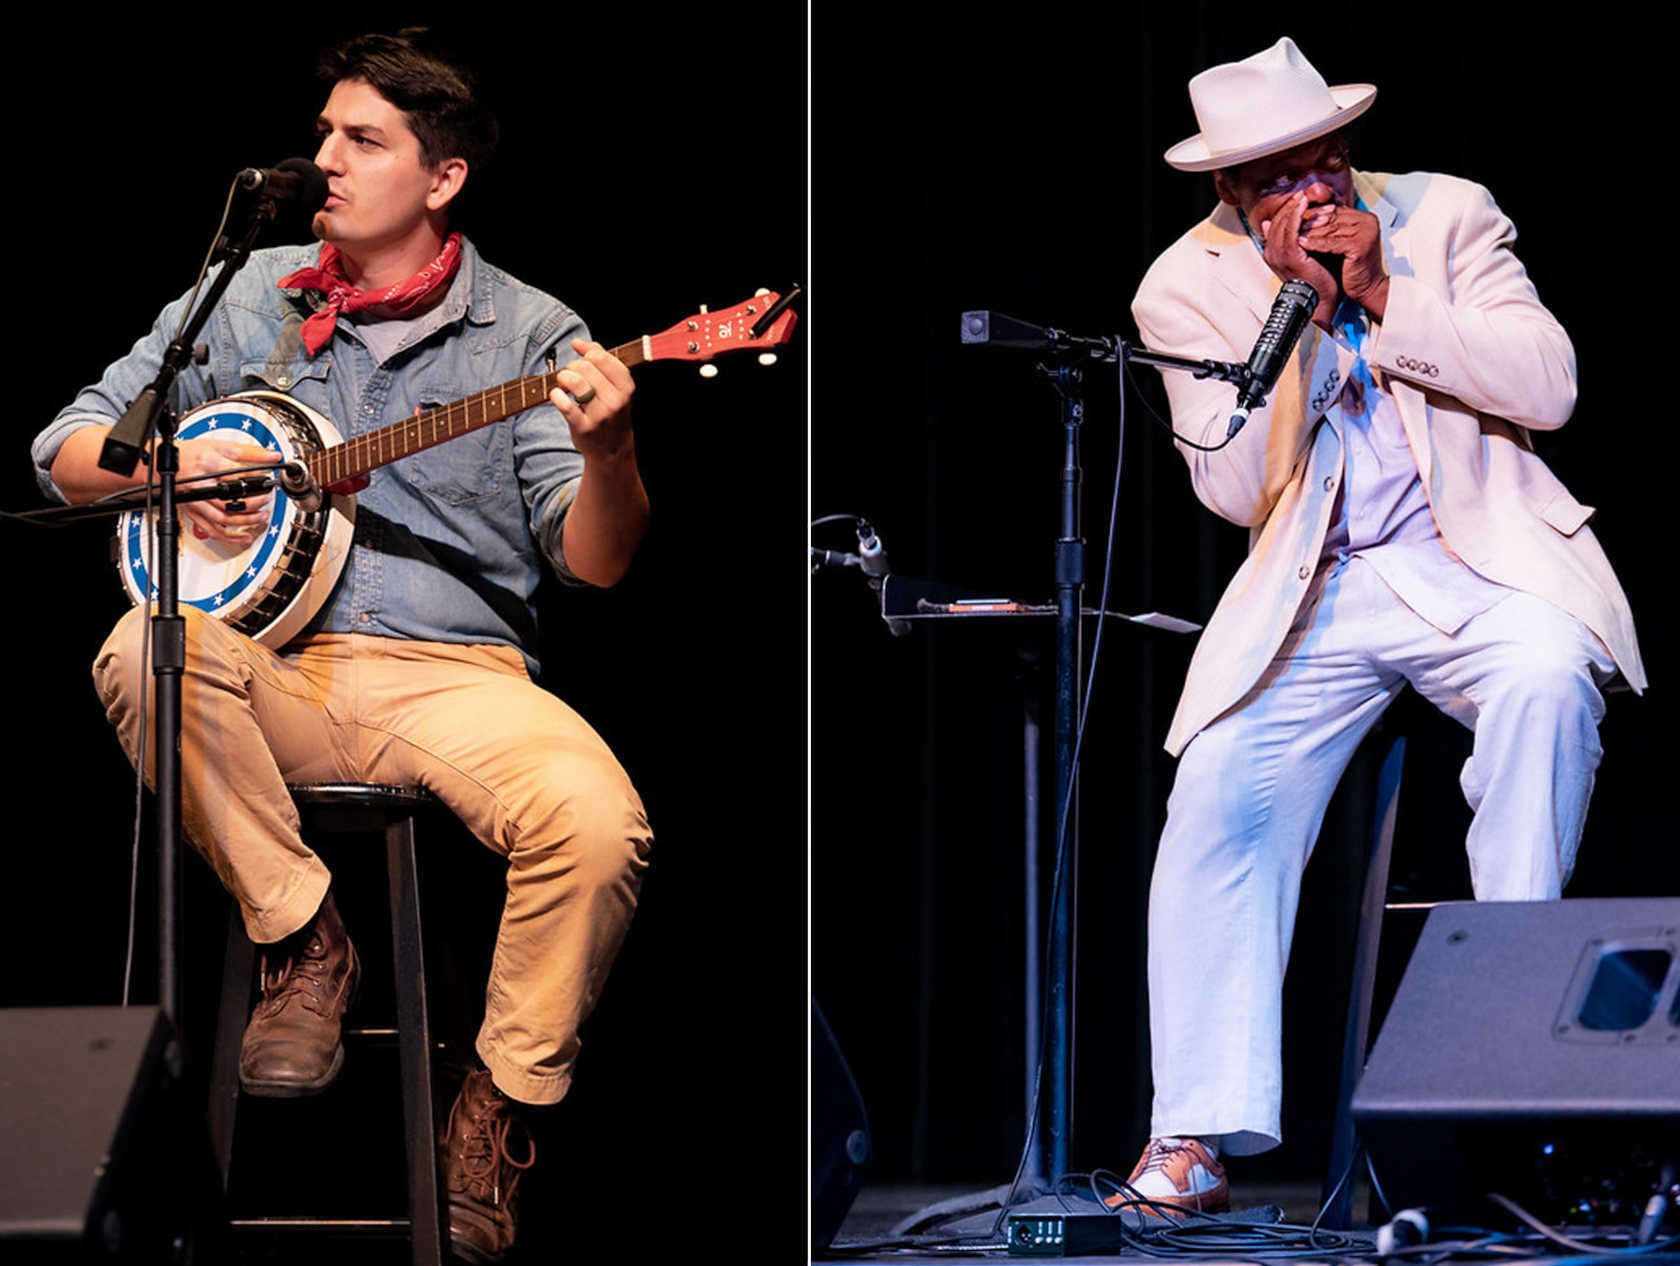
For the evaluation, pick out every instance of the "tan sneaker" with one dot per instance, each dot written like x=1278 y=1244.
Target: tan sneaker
x=1180 y=1172
x=480 y=1175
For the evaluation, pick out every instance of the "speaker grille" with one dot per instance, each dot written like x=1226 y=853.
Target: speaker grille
x=1623 y=988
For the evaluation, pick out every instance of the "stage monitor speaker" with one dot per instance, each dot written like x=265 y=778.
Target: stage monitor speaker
x=839 y=1134
x=103 y=1157
x=1532 y=1049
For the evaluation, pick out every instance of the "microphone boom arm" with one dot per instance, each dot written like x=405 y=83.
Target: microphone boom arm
x=1223 y=370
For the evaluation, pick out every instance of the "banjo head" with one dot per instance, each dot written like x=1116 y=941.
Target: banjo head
x=269 y=587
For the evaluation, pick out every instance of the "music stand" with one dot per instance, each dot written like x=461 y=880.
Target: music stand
x=913 y=601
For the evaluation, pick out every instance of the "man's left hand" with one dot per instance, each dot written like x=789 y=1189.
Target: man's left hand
x=1357 y=237
x=601 y=422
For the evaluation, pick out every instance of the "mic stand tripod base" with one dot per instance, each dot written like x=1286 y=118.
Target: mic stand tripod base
x=969 y=1215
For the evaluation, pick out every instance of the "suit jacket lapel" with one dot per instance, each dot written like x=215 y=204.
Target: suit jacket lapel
x=1370 y=191
x=1241 y=269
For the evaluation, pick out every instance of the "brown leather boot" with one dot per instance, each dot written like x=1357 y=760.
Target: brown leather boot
x=480 y=1174
x=293 y=1043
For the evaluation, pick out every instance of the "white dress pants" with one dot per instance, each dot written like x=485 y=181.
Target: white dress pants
x=1251 y=792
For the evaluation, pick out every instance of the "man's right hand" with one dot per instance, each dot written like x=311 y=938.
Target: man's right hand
x=81 y=479
x=211 y=519
x=1286 y=257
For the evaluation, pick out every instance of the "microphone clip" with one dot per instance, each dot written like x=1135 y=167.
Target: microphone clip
x=298 y=484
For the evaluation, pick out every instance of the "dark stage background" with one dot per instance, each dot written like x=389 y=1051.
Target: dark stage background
x=1012 y=161
x=646 y=168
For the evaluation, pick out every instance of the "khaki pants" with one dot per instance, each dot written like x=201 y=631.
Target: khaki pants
x=527 y=775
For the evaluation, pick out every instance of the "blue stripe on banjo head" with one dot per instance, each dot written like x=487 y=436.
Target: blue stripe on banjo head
x=257 y=431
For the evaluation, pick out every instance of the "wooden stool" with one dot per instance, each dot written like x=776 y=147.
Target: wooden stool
x=352 y=808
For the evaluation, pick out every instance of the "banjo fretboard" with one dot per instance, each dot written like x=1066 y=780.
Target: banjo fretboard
x=356 y=457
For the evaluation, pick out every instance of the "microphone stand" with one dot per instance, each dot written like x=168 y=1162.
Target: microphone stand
x=150 y=413
x=1055 y=1125
x=1052 y=1128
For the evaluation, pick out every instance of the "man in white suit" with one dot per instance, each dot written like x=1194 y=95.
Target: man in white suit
x=1402 y=532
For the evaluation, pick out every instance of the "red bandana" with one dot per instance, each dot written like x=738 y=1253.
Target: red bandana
x=328 y=277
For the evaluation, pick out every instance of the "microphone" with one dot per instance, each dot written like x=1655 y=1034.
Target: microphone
x=295 y=179
x=872 y=561
x=1291 y=311
x=300 y=486
x=872 y=555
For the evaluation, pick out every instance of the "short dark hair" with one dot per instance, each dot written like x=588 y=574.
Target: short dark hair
x=424 y=78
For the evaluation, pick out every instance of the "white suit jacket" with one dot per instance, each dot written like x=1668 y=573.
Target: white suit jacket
x=1473 y=361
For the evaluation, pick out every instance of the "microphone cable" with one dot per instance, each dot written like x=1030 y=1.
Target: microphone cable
x=1147 y=408
x=143 y=668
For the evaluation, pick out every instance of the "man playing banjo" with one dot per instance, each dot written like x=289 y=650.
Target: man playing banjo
x=416 y=671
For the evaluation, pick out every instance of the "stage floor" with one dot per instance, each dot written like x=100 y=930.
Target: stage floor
x=880 y=1207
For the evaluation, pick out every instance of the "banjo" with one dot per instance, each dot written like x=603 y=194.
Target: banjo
x=271 y=587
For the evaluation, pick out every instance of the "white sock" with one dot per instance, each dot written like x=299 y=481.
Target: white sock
x=1209 y=1141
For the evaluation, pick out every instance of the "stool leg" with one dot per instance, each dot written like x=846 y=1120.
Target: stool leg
x=415 y=1044
x=1338 y=1215
x=231 y=1014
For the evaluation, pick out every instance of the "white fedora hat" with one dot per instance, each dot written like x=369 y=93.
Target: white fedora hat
x=1263 y=105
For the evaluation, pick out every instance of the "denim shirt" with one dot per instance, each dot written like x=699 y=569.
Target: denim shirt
x=447 y=540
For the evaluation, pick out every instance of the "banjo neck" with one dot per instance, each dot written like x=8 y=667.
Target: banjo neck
x=278 y=582
x=355 y=458
x=758 y=324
